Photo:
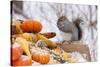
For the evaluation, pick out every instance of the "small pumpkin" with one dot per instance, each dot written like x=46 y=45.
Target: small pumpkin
x=35 y=56
x=40 y=56
x=44 y=58
x=30 y=25
x=23 y=61
x=17 y=51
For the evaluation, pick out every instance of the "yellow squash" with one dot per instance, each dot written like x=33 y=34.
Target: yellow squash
x=48 y=42
x=30 y=37
x=24 y=44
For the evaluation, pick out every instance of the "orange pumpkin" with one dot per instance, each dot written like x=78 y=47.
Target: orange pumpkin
x=40 y=56
x=23 y=61
x=31 y=26
x=44 y=58
x=35 y=56
x=17 y=51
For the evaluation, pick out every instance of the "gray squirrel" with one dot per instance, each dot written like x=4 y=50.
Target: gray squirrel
x=74 y=28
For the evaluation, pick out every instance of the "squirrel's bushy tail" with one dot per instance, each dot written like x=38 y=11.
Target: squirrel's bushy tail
x=77 y=24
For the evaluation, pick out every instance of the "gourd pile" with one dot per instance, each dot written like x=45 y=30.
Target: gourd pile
x=30 y=47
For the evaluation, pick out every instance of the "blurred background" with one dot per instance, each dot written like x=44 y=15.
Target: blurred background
x=50 y=13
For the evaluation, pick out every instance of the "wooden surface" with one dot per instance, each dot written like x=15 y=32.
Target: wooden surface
x=76 y=47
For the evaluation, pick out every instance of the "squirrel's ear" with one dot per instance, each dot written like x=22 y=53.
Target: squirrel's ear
x=62 y=18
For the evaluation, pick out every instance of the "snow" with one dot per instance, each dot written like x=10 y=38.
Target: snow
x=48 y=16
x=15 y=45
x=78 y=57
x=24 y=58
